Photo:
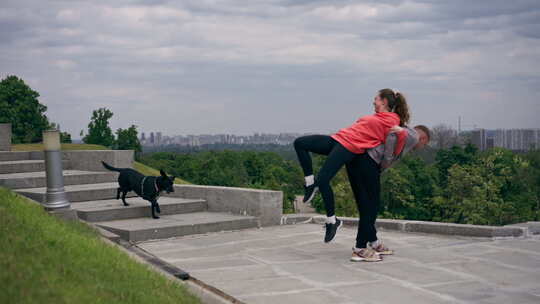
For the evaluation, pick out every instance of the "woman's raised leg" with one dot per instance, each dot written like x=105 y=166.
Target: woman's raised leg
x=320 y=144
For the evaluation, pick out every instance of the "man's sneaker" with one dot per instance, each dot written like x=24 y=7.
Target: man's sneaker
x=310 y=193
x=365 y=255
x=331 y=230
x=382 y=250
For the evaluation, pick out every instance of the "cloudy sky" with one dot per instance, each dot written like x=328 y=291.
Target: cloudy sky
x=209 y=66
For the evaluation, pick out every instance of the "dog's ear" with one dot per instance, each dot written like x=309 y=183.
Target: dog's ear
x=172 y=178
x=162 y=173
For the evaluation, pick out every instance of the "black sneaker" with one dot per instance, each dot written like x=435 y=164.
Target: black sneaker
x=331 y=230
x=310 y=193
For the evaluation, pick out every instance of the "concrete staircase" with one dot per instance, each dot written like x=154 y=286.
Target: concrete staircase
x=93 y=193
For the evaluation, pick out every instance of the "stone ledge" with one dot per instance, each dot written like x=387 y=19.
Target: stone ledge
x=517 y=230
x=532 y=228
x=463 y=229
x=266 y=205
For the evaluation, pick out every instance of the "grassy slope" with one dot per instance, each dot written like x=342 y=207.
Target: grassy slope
x=46 y=260
x=144 y=169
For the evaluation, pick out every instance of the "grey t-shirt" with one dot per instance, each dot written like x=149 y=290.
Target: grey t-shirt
x=384 y=153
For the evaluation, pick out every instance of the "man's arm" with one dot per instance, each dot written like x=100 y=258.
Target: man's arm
x=389 y=147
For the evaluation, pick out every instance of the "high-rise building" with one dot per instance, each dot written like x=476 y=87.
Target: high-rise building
x=517 y=139
x=479 y=139
x=152 y=138
x=158 y=138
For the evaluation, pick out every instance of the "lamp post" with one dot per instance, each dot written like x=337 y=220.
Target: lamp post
x=55 y=197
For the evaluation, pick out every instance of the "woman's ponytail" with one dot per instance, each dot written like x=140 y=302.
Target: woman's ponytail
x=397 y=103
x=402 y=109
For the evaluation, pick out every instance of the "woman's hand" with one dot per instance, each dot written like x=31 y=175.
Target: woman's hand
x=396 y=129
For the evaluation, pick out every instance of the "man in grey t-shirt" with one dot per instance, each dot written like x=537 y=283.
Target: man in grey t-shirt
x=364 y=175
x=383 y=155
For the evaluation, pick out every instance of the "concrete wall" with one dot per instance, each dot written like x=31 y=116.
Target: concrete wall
x=91 y=159
x=438 y=227
x=265 y=204
x=5 y=137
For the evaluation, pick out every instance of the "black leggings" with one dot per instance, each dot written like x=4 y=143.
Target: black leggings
x=337 y=157
x=364 y=176
x=363 y=173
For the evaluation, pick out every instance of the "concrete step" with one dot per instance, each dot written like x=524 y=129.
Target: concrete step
x=14 y=155
x=147 y=228
x=38 y=179
x=17 y=166
x=109 y=210
x=78 y=193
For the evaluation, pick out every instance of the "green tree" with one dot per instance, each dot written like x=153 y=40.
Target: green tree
x=487 y=192
x=127 y=139
x=19 y=106
x=396 y=196
x=495 y=187
x=65 y=137
x=407 y=190
x=99 y=132
x=532 y=179
x=446 y=158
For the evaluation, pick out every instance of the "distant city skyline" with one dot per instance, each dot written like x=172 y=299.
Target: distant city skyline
x=513 y=139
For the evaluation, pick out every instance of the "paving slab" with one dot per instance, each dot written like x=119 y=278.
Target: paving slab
x=295 y=266
x=423 y=274
x=306 y=296
x=530 y=245
x=479 y=292
x=514 y=258
x=237 y=274
x=496 y=273
x=390 y=292
x=244 y=288
x=217 y=264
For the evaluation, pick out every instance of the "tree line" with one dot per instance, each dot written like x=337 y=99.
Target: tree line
x=19 y=105
x=461 y=185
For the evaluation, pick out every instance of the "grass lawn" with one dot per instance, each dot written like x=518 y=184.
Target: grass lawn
x=144 y=169
x=46 y=260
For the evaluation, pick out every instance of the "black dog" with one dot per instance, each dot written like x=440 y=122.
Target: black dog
x=147 y=187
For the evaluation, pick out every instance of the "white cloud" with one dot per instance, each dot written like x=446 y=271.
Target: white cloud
x=64 y=64
x=226 y=57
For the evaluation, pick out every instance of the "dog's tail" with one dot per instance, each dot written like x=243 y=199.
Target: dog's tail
x=109 y=167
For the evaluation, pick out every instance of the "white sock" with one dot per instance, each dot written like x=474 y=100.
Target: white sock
x=331 y=219
x=375 y=244
x=310 y=179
